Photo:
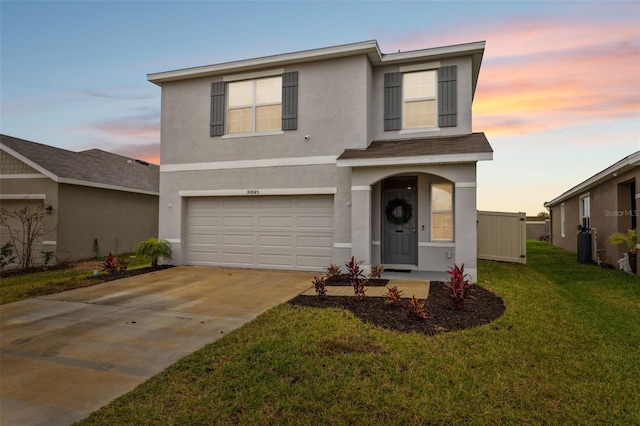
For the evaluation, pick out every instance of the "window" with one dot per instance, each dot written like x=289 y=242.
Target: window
x=254 y=105
x=585 y=211
x=416 y=99
x=419 y=99
x=442 y=212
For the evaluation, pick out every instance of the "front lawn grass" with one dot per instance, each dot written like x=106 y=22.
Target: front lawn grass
x=566 y=351
x=40 y=283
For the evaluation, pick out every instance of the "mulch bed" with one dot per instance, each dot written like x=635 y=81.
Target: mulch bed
x=481 y=307
x=343 y=281
x=103 y=277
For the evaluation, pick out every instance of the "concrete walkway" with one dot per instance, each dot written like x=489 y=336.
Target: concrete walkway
x=65 y=355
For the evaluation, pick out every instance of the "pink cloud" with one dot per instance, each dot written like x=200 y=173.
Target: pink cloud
x=147 y=152
x=546 y=74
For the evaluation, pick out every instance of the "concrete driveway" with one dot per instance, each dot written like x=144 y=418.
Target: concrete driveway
x=65 y=355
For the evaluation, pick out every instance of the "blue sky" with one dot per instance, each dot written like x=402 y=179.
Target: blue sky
x=558 y=95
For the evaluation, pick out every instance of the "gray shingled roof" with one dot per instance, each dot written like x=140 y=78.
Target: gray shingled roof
x=474 y=143
x=93 y=166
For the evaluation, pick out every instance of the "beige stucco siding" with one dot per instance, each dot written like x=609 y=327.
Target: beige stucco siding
x=118 y=219
x=610 y=212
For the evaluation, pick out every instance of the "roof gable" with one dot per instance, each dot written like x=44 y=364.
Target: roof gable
x=95 y=168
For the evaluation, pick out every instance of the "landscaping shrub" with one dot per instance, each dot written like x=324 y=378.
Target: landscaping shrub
x=333 y=271
x=458 y=285
x=356 y=278
x=154 y=248
x=415 y=309
x=319 y=286
x=393 y=295
x=376 y=271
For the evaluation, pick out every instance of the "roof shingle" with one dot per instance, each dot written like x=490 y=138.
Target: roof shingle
x=92 y=166
x=474 y=143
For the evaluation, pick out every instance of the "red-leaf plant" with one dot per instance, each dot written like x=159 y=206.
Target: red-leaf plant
x=459 y=284
x=319 y=286
x=333 y=271
x=356 y=278
x=110 y=265
x=376 y=271
x=393 y=295
x=415 y=310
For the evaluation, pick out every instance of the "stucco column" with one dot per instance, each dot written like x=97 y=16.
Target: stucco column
x=361 y=225
x=465 y=223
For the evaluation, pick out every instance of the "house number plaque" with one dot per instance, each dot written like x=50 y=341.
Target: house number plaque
x=253 y=192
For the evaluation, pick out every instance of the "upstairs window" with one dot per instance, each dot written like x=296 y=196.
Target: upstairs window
x=419 y=99
x=255 y=105
x=442 y=212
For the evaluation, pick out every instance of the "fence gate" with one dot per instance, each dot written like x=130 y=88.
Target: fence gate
x=502 y=236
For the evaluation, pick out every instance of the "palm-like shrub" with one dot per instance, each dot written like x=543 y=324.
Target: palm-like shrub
x=154 y=248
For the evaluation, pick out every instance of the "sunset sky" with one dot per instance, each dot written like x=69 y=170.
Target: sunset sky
x=558 y=94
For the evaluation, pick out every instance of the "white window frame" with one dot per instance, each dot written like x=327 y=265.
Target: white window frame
x=452 y=211
x=254 y=105
x=562 y=220
x=585 y=210
x=433 y=98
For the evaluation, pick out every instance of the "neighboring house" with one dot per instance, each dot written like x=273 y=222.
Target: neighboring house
x=89 y=195
x=299 y=160
x=605 y=203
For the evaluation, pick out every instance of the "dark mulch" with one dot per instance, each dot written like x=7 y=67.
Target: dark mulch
x=343 y=281
x=102 y=278
x=481 y=307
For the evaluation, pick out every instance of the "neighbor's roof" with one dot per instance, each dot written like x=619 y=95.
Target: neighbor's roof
x=621 y=166
x=369 y=48
x=444 y=149
x=95 y=168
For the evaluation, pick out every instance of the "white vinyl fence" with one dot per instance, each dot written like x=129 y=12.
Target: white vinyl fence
x=502 y=236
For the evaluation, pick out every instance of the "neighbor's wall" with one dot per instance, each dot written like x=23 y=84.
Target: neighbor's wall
x=20 y=181
x=118 y=219
x=611 y=211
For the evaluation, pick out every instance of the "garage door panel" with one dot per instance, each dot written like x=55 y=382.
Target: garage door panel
x=313 y=242
x=238 y=221
x=315 y=203
x=275 y=221
x=266 y=241
x=277 y=232
x=235 y=258
x=205 y=257
x=275 y=260
x=275 y=203
x=234 y=240
x=205 y=221
x=237 y=203
x=313 y=262
x=315 y=222
x=206 y=239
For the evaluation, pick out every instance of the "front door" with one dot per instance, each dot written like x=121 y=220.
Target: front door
x=400 y=221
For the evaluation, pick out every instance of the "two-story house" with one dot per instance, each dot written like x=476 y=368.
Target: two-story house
x=299 y=160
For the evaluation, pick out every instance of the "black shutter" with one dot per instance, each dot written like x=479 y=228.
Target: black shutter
x=290 y=100
x=447 y=95
x=393 y=101
x=217 y=108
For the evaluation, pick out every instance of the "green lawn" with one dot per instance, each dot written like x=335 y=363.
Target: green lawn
x=25 y=286
x=566 y=351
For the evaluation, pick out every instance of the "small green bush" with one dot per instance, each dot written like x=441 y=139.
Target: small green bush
x=154 y=248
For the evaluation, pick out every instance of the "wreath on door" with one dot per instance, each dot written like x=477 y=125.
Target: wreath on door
x=390 y=211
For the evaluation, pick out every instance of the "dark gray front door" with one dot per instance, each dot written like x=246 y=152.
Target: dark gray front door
x=400 y=239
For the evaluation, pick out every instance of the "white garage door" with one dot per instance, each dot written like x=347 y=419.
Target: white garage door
x=271 y=232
